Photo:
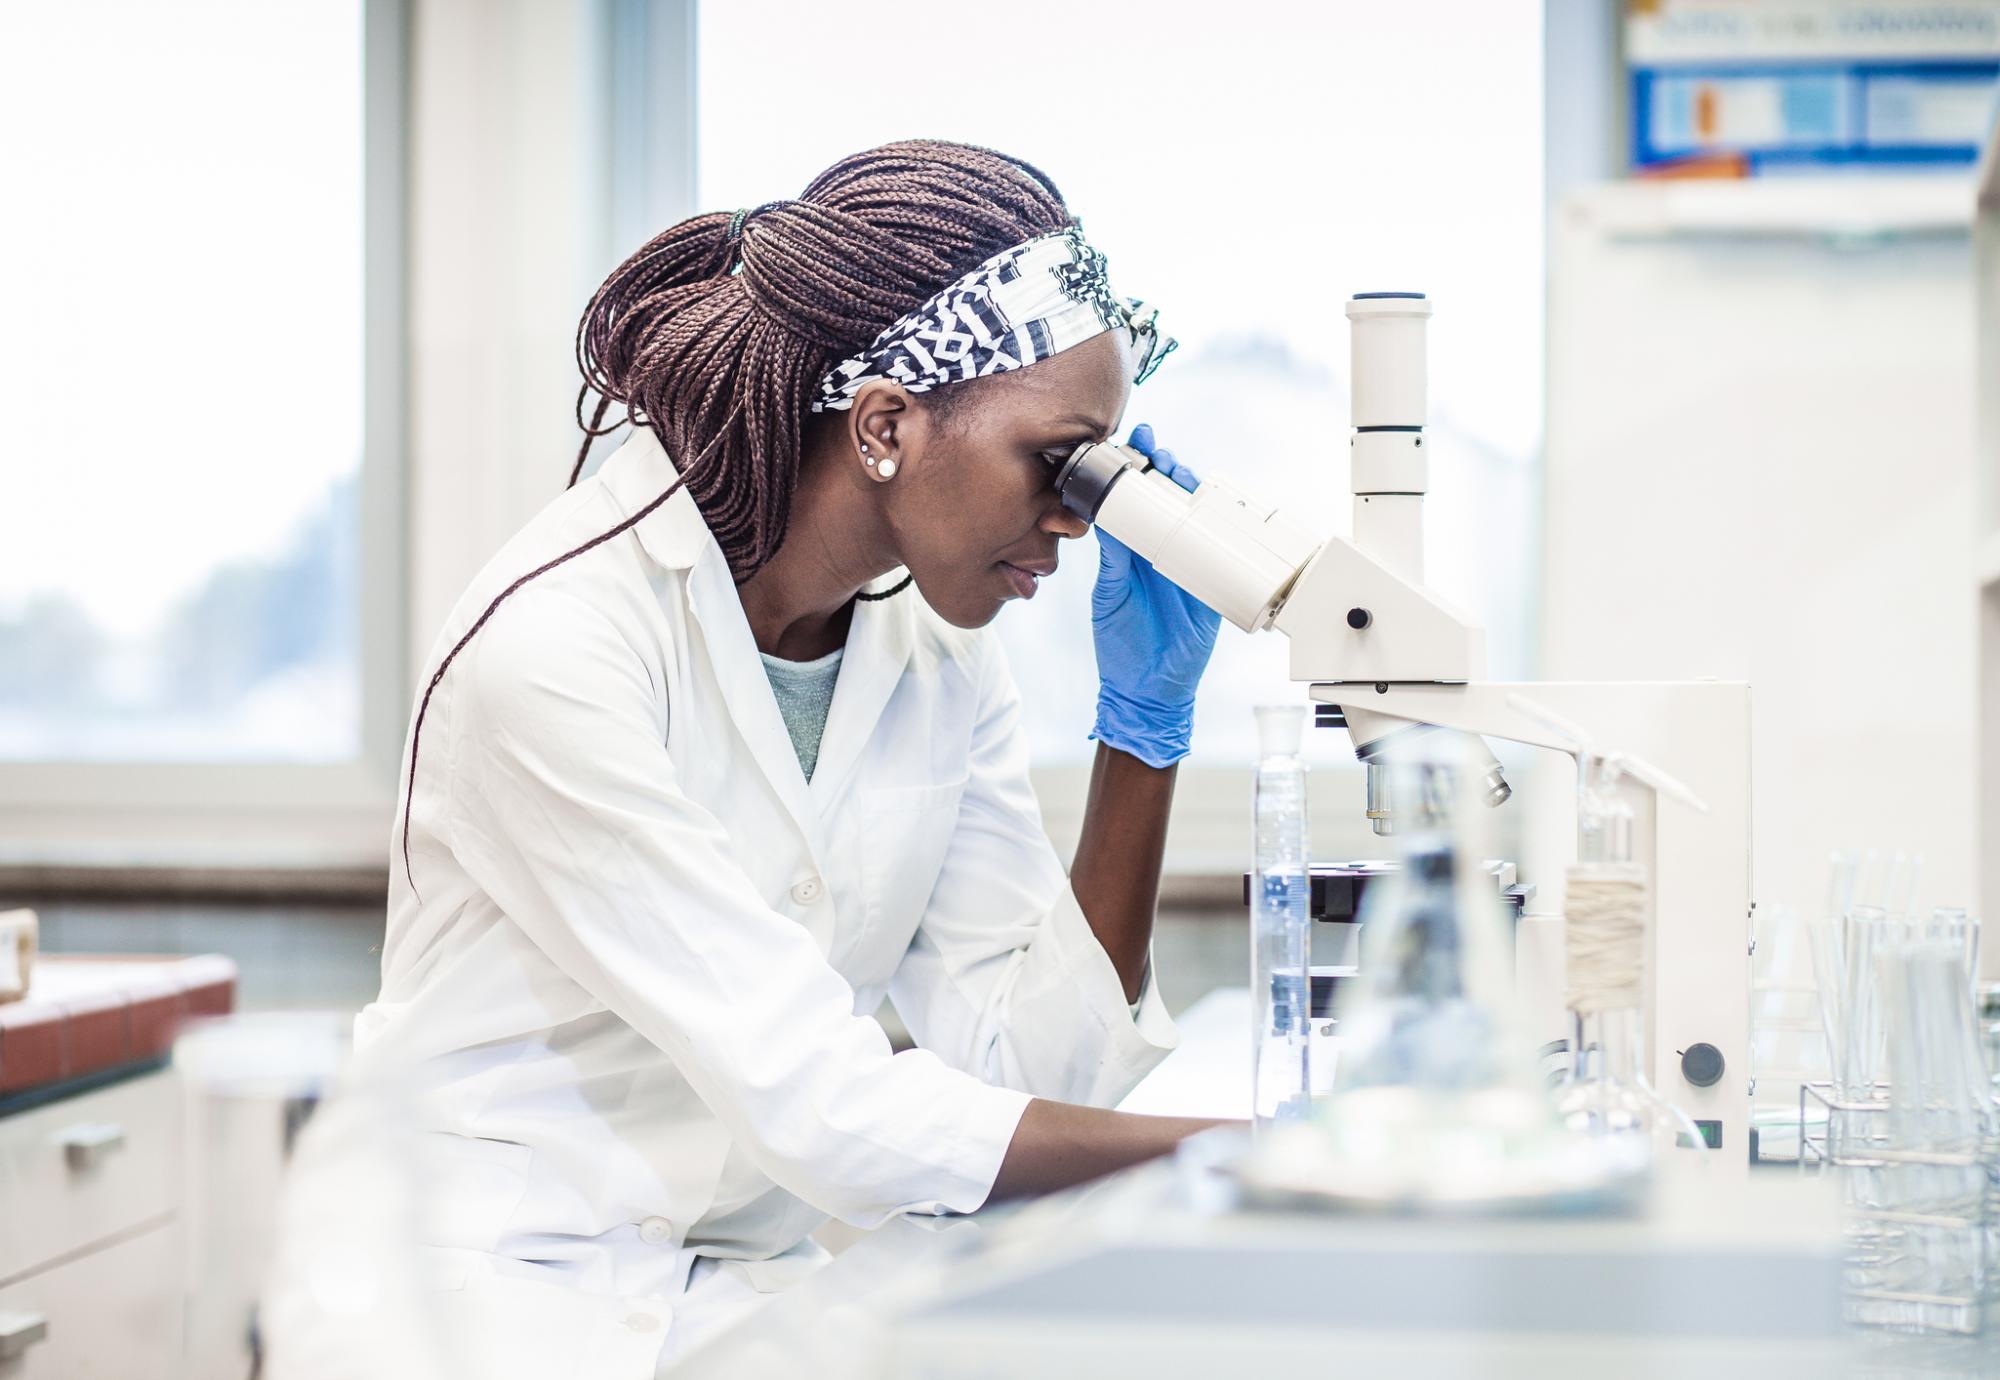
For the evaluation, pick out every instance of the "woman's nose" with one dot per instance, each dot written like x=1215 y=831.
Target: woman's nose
x=1060 y=521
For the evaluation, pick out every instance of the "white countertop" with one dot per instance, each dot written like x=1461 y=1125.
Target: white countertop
x=1209 y=1073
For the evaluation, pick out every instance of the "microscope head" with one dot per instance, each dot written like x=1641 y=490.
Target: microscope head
x=1237 y=556
x=1357 y=612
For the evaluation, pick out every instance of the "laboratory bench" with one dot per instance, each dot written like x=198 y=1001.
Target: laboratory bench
x=91 y=1162
x=1150 y=1272
x=96 y=1219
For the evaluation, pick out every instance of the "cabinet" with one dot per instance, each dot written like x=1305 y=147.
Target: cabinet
x=90 y=1262
x=109 y=1314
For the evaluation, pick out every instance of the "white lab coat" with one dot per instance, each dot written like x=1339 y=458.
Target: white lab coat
x=640 y=960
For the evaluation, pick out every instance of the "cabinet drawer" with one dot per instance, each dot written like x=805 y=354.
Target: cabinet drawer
x=84 y=1168
x=113 y=1314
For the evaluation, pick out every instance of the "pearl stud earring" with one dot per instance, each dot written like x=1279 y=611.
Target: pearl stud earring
x=866 y=458
x=887 y=469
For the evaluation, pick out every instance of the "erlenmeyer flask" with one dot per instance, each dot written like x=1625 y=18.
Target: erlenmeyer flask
x=1432 y=1007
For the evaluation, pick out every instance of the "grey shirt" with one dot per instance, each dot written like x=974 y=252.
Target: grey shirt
x=805 y=692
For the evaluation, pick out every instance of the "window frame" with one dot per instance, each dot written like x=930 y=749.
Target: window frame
x=213 y=812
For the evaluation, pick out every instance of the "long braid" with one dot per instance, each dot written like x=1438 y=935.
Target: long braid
x=715 y=333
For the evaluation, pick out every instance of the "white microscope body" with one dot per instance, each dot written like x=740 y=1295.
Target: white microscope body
x=1384 y=654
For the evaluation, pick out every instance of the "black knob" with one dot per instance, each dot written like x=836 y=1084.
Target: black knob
x=1701 y=1065
x=1359 y=618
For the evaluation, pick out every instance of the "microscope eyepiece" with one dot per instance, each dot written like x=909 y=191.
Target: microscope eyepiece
x=1083 y=480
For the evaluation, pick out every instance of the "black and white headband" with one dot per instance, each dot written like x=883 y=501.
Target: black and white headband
x=1022 y=305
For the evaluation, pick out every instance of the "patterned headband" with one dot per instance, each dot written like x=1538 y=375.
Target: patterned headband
x=1022 y=305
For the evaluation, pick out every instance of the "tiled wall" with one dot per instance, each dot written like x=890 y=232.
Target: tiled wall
x=329 y=956
x=287 y=956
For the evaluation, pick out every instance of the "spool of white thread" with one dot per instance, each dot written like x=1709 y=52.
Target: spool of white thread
x=1605 y=936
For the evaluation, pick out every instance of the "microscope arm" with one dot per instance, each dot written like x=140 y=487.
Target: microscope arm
x=1349 y=615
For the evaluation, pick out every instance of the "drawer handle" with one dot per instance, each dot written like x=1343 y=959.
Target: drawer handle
x=86 y=1144
x=21 y=1330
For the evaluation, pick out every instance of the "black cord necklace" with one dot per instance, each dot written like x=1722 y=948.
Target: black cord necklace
x=888 y=593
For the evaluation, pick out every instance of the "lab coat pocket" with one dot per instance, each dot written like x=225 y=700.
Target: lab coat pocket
x=475 y=1187
x=905 y=833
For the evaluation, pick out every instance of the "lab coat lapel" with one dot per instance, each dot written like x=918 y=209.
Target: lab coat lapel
x=879 y=643
x=676 y=536
x=746 y=689
x=878 y=648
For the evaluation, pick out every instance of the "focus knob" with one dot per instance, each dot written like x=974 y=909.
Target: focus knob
x=1702 y=1065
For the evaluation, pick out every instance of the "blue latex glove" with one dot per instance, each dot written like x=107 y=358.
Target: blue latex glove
x=1153 y=640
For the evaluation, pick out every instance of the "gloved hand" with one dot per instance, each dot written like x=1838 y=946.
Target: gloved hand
x=1153 y=639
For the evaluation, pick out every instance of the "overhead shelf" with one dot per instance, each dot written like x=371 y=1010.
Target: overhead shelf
x=1855 y=206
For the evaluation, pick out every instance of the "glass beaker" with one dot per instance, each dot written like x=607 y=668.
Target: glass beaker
x=1920 y=1247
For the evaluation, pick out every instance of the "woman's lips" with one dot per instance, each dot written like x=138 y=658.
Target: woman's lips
x=1024 y=581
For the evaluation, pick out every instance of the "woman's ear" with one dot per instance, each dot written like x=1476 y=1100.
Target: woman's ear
x=879 y=426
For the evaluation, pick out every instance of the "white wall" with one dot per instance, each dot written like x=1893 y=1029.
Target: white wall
x=500 y=204
x=1760 y=466
x=512 y=213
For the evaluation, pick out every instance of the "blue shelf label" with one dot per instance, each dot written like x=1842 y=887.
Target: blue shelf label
x=1799 y=116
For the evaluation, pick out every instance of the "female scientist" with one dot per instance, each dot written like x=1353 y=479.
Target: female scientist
x=697 y=777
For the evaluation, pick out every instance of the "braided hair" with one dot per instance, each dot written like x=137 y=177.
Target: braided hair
x=716 y=332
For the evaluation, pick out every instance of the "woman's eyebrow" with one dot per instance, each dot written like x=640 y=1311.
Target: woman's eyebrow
x=1089 y=425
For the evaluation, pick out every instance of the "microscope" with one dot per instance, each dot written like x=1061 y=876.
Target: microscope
x=1384 y=656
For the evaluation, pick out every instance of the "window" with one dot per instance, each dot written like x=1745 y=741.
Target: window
x=1245 y=171
x=201 y=552
x=181 y=377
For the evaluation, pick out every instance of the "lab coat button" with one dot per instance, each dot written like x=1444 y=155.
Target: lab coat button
x=806 y=892
x=642 y=1322
x=654 y=1230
